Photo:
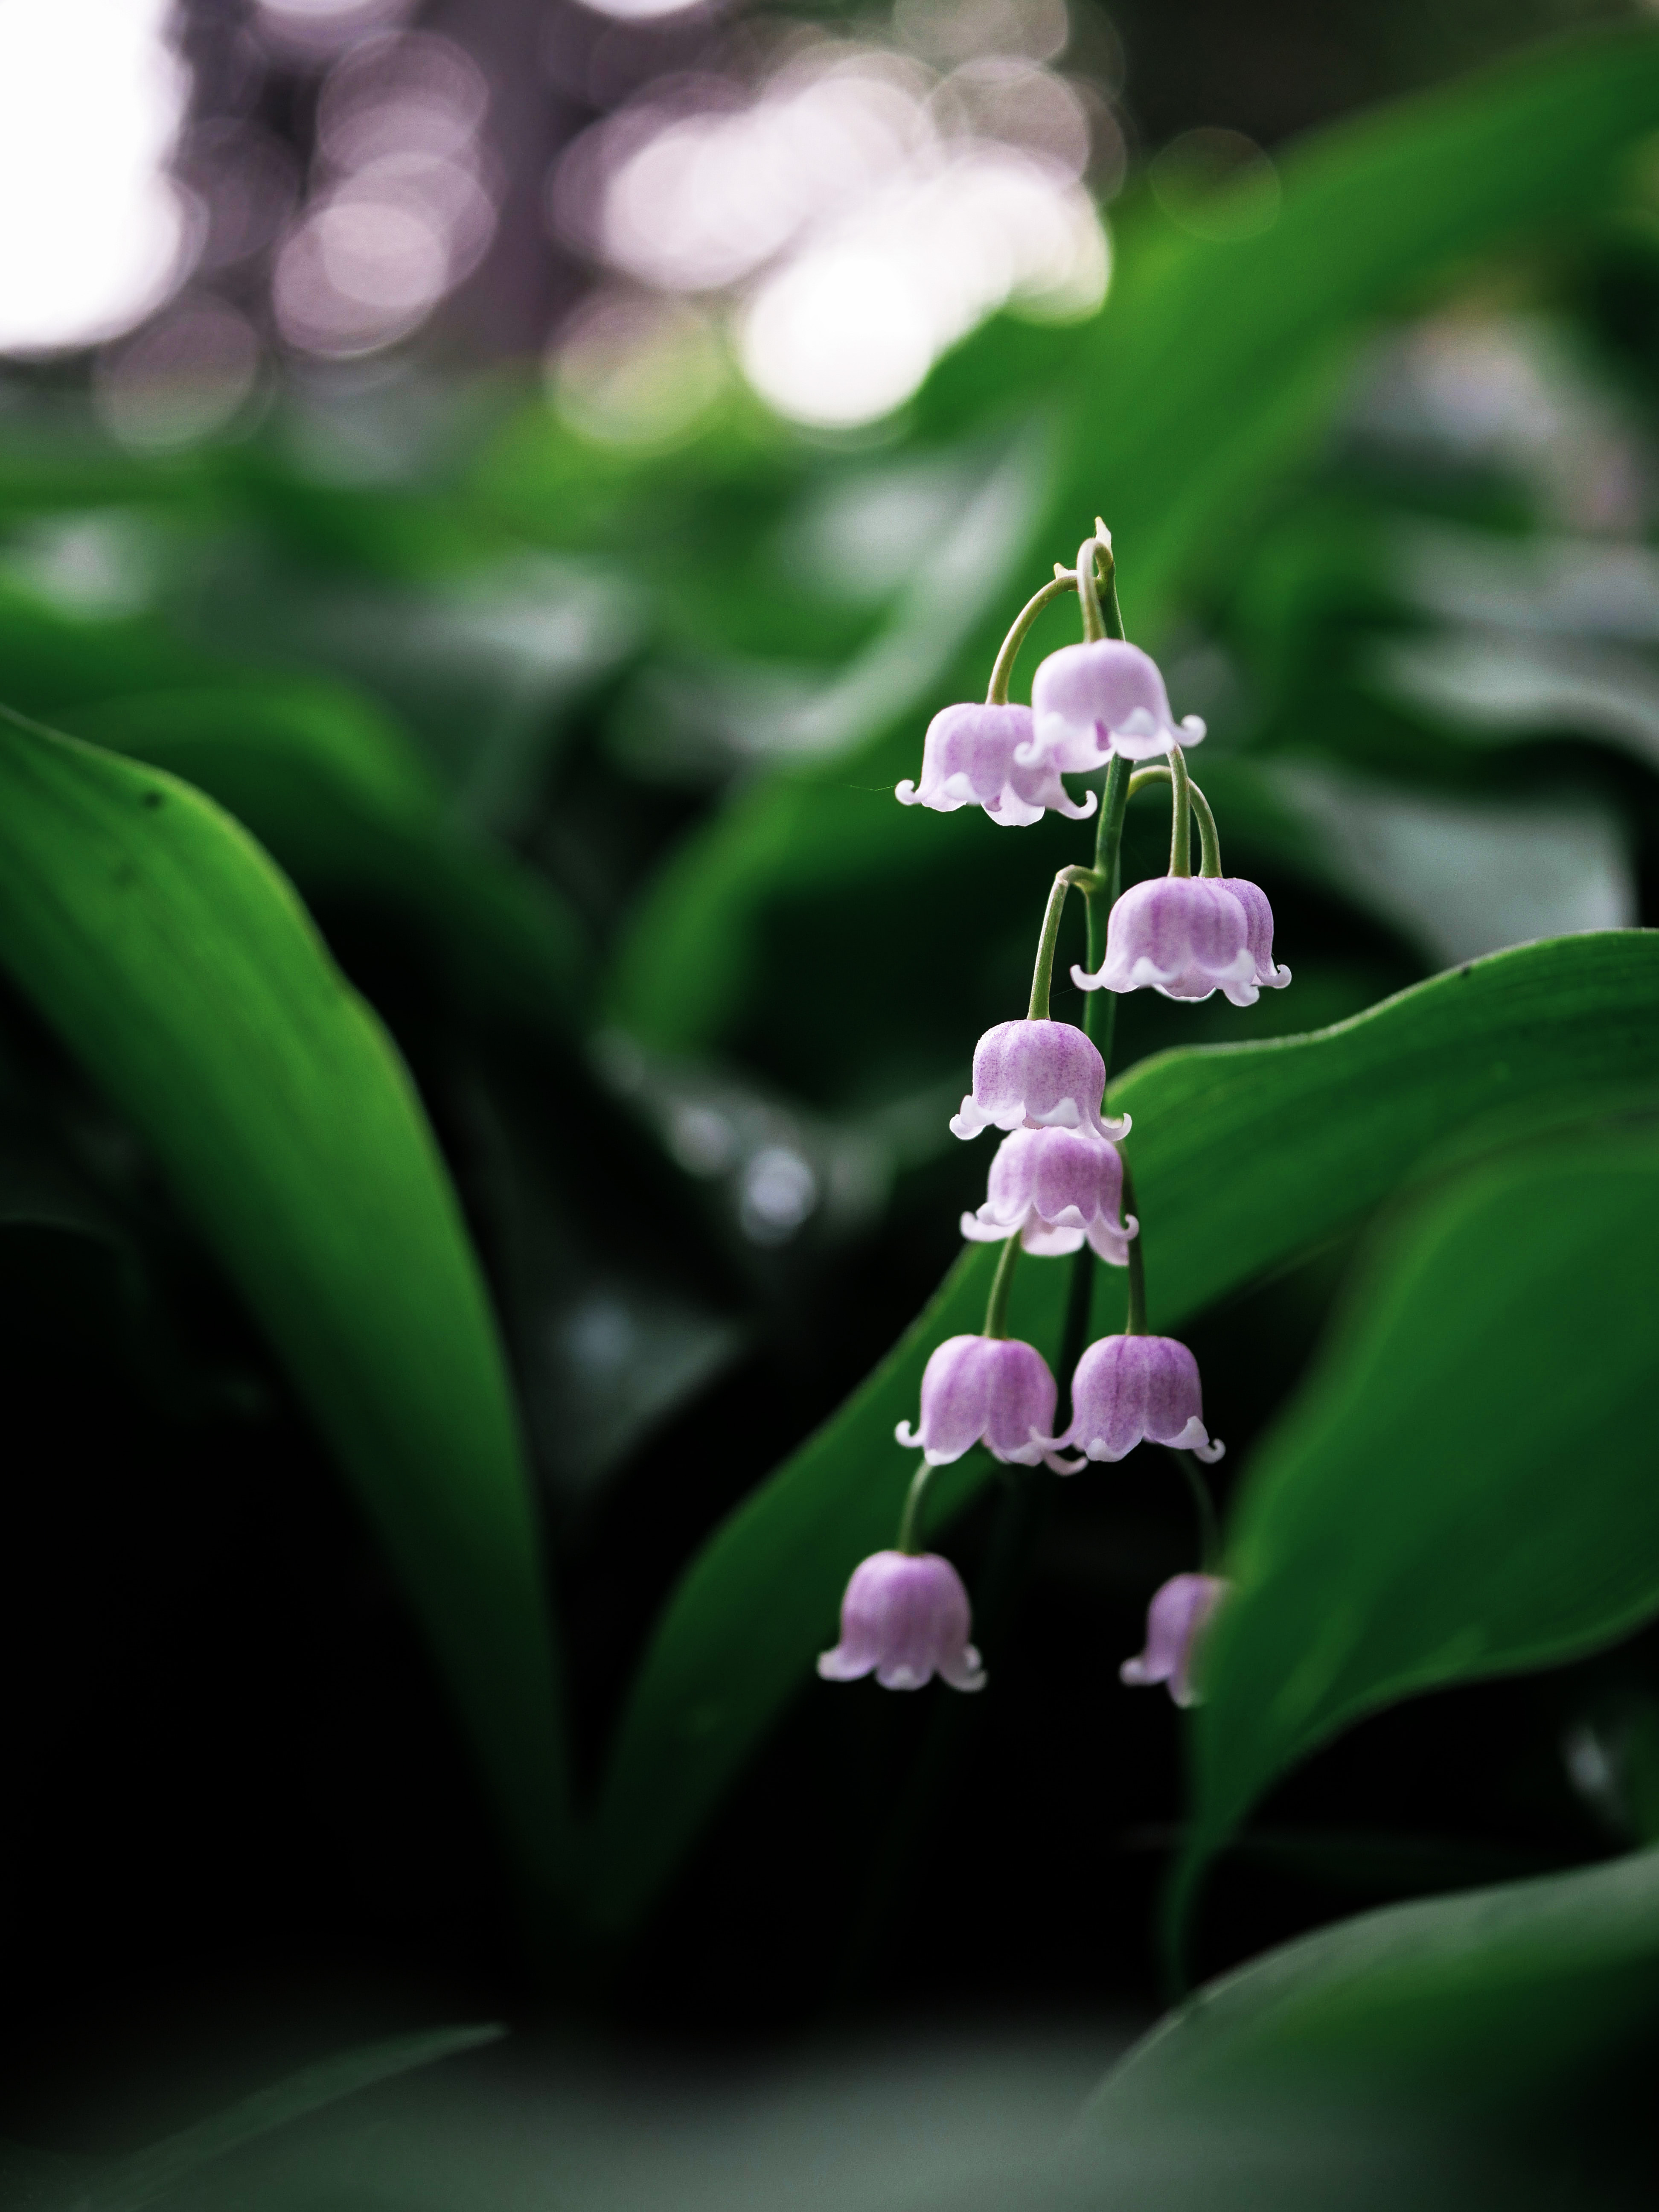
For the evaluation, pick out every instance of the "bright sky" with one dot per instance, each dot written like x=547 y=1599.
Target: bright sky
x=91 y=230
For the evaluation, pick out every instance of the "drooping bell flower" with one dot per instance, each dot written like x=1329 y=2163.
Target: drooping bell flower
x=1175 y=1619
x=905 y=1618
x=1131 y=1389
x=1036 y=1075
x=1056 y=1189
x=992 y=1390
x=986 y=756
x=1091 y=701
x=1186 y=936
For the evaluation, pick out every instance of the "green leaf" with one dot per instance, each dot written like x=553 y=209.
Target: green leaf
x=1411 y=1520
x=126 y=2184
x=178 y=965
x=1243 y=1157
x=331 y=788
x=1415 y=2034
x=1470 y=2003
x=1211 y=370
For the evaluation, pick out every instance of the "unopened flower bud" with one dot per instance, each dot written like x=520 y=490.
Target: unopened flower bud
x=1132 y=1389
x=905 y=1618
x=992 y=1390
x=1036 y=1075
x=986 y=756
x=1186 y=936
x=1175 y=1619
x=1055 y=1188
x=1092 y=701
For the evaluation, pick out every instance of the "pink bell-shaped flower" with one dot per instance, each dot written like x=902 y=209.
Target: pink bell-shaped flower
x=1186 y=936
x=904 y=1619
x=1175 y=1619
x=1092 y=701
x=1056 y=1189
x=1131 y=1389
x=992 y=1390
x=985 y=756
x=1036 y=1075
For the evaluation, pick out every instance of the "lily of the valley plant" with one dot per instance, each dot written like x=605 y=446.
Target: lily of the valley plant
x=1059 y=1182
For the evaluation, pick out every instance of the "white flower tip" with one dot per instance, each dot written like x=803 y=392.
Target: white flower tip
x=1086 y=982
x=1131 y=1227
x=1134 y=1672
x=907 y=794
x=1117 y=1126
x=969 y=1122
x=1184 y=1695
x=1209 y=1453
x=903 y=1434
x=1192 y=728
x=1277 y=980
x=1061 y=1465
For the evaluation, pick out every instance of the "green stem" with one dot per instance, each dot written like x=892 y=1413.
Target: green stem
x=1002 y=667
x=1111 y=613
x=1181 y=815
x=1209 y=1530
x=996 y=1306
x=1042 y=973
x=911 y=1516
x=1100 y=895
x=1209 y=840
x=1135 y=1324
x=1209 y=837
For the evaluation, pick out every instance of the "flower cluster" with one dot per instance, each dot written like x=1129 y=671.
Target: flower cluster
x=1059 y=1182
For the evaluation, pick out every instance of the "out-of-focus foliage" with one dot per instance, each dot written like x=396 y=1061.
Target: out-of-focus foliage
x=1470 y=1064
x=582 y=758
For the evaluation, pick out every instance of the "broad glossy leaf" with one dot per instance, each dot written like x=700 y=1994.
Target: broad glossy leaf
x=1244 y=1156
x=1433 y=2045
x=178 y=965
x=1211 y=369
x=1468 y=1484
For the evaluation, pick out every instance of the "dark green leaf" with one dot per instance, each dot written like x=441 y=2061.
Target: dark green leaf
x=175 y=962
x=126 y=2184
x=1466 y=1484
x=327 y=784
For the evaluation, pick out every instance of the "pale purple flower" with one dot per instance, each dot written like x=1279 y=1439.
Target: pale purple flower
x=1175 y=1619
x=984 y=757
x=905 y=1618
x=1036 y=1075
x=1055 y=1188
x=1186 y=936
x=992 y=1390
x=1092 y=701
x=1127 y=1390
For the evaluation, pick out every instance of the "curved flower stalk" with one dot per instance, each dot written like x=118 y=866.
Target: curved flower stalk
x=1058 y=1184
x=1036 y=1075
x=1055 y=1189
x=1102 y=697
x=986 y=756
x=1188 y=936
x=1175 y=1621
x=904 y=1619
x=1133 y=1389
x=993 y=1391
